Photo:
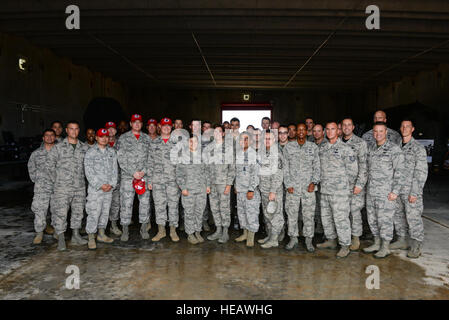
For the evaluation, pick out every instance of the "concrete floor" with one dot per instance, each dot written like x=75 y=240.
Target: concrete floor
x=141 y=270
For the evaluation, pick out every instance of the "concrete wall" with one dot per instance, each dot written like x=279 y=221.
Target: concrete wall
x=56 y=88
x=430 y=88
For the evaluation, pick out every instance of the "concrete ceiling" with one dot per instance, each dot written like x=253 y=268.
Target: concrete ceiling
x=237 y=44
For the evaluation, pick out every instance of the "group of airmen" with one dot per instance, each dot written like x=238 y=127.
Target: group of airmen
x=305 y=179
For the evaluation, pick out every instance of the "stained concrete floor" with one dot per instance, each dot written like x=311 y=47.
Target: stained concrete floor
x=142 y=270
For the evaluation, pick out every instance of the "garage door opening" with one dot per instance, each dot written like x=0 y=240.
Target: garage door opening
x=247 y=113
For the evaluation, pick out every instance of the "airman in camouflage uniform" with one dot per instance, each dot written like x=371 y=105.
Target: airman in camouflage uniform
x=246 y=185
x=100 y=166
x=410 y=203
x=320 y=140
x=301 y=176
x=219 y=157
x=385 y=172
x=66 y=167
x=133 y=159
x=193 y=180
x=271 y=188
x=43 y=186
x=162 y=175
x=392 y=135
x=358 y=182
x=114 y=213
x=338 y=171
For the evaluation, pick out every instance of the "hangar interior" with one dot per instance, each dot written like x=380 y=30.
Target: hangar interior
x=185 y=59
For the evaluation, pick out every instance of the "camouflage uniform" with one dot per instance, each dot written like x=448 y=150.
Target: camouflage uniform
x=408 y=215
x=247 y=179
x=392 y=136
x=385 y=172
x=132 y=157
x=302 y=167
x=101 y=168
x=115 y=203
x=360 y=148
x=318 y=221
x=221 y=170
x=192 y=176
x=66 y=167
x=162 y=175
x=338 y=169
x=270 y=180
x=43 y=187
x=90 y=145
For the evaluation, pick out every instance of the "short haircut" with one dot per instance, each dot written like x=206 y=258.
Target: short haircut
x=217 y=125
x=206 y=121
x=380 y=123
x=250 y=125
x=48 y=130
x=283 y=126
x=73 y=122
x=225 y=122
x=266 y=118
x=56 y=121
x=308 y=118
x=250 y=136
x=411 y=121
x=291 y=124
x=235 y=119
x=318 y=124
x=90 y=129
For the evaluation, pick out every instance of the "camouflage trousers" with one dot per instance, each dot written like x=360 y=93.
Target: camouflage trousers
x=408 y=218
x=380 y=212
x=127 y=194
x=220 y=205
x=97 y=208
x=207 y=210
x=39 y=206
x=60 y=203
x=274 y=221
x=193 y=205
x=357 y=204
x=167 y=194
x=318 y=222
x=248 y=211
x=335 y=210
x=115 y=204
x=307 y=201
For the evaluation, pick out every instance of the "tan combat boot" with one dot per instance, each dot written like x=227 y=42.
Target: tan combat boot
x=173 y=235
x=192 y=239
x=243 y=236
x=329 y=244
x=115 y=229
x=343 y=252
x=160 y=233
x=49 y=230
x=250 y=239
x=199 y=237
x=91 y=243
x=415 y=250
x=355 y=244
x=400 y=243
x=102 y=237
x=384 y=250
x=374 y=247
x=38 y=238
